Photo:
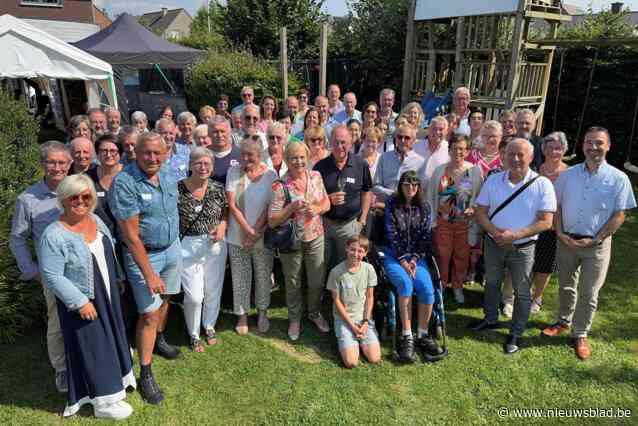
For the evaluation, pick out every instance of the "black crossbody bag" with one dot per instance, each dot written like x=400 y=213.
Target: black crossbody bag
x=513 y=196
x=283 y=238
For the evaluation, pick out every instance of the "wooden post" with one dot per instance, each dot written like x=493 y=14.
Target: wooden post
x=323 y=59
x=431 y=69
x=408 y=59
x=512 y=80
x=283 y=62
x=458 y=57
x=540 y=113
x=65 y=101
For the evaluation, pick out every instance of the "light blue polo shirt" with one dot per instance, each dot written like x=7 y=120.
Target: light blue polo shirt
x=132 y=194
x=589 y=200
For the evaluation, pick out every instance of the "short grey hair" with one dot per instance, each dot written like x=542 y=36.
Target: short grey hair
x=163 y=121
x=440 y=119
x=109 y=110
x=493 y=125
x=389 y=91
x=125 y=133
x=274 y=127
x=333 y=132
x=202 y=128
x=526 y=142
x=218 y=119
x=186 y=116
x=74 y=185
x=524 y=112
x=556 y=137
x=252 y=143
x=200 y=152
x=77 y=140
x=464 y=90
x=76 y=120
x=53 y=146
x=139 y=115
x=147 y=136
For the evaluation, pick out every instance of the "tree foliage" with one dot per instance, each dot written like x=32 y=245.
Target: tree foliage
x=20 y=302
x=600 y=25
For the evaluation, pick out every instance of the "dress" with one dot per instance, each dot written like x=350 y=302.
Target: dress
x=98 y=360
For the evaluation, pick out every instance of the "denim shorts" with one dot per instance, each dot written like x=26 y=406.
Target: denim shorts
x=346 y=338
x=167 y=264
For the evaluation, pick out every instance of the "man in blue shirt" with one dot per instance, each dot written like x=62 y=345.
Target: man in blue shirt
x=592 y=200
x=177 y=154
x=143 y=198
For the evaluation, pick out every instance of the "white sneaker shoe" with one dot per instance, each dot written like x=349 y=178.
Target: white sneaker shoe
x=536 y=305
x=116 y=411
x=458 y=296
x=508 y=309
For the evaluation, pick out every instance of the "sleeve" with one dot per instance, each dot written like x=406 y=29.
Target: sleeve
x=397 y=244
x=559 y=186
x=319 y=186
x=123 y=199
x=232 y=177
x=548 y=199
x=378 y=187
x=366 y=185
x=483 y=198
x=426 y=231
x=477 y=182
x=332 y=283
x=52 y=264
x=625 y=199
x=277 y=201
x=20 y=233
x=372 y=276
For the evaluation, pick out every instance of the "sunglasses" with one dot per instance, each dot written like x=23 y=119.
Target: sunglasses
x=85 y=198
x=412 y=184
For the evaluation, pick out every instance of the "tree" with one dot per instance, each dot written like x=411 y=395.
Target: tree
x=255 y=24
x=601 y=25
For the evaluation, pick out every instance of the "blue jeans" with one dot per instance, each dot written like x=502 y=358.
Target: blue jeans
x=519 y=262
x=406 y=285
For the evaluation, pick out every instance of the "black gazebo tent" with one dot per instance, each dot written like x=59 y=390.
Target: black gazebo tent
x=126 y=44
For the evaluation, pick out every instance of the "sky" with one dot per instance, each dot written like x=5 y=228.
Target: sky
x=333 y=7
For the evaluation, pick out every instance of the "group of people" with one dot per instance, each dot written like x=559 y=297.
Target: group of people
x=153 y=213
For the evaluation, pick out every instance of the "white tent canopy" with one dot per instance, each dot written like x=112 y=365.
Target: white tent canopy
x=29 y=52
x=429 y=9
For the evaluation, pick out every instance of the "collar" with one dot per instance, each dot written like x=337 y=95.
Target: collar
x=602 y=166
x=530 y=174
x=139 y=175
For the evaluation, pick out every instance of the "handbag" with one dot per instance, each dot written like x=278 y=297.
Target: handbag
x=283 y=238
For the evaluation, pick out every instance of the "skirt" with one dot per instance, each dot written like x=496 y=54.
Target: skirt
x=98 y=360
x=545 y=254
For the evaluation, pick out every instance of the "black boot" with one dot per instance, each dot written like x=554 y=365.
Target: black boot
x=163 y=349
x=428 y=345
x=406 y=349
x=148 y=387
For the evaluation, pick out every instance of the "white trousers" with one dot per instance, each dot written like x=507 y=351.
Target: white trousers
x=202 y=280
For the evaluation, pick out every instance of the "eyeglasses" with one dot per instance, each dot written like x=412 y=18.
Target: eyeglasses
x=251 y=118
x=246 y=95
x=51 y=163
x=411 y=184
x=113 y=152
x=203 y=164
x=85 y=198
x=371 y=111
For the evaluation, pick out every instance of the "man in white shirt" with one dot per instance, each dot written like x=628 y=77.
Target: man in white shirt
x=248 y=98
x=434 y=149
x=249 y=120
x=334 y=93
x=511 y=233
x=349 y=111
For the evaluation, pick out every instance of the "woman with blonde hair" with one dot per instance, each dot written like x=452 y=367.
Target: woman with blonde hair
x=315 y=140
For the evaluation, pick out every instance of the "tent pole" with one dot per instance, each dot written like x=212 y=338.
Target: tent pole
x=113 y=91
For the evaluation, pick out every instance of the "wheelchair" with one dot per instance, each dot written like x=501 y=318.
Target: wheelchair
x=385 y=313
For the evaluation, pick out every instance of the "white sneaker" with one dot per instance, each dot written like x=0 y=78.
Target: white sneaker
x=458 y=296
x=536 y=305
x=508 y=309
x=116 y=411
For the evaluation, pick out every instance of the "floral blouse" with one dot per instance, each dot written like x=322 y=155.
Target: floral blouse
x=456 y=195
x=309 y=226
x=408 y=230
x=477 y=159
x=204 y=214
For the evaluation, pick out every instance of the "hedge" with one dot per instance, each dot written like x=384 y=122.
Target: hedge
x=21 y=303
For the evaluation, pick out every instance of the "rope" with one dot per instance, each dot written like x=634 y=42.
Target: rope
x=560 y=77
x=582 y=113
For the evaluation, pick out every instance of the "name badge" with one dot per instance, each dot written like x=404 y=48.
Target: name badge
x=350 y=180
x=198 y=209
x=100 y=194
x=147 y=197
x=182 y=166
x=348 y=285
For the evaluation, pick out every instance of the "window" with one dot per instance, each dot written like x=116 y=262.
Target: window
x=53 y=3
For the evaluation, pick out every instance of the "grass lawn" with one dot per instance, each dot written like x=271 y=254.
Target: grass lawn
x=266 y=380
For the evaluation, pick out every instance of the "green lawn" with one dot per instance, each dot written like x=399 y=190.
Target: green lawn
x=251 y=379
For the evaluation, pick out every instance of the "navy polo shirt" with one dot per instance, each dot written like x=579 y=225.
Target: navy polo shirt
x=222 y=164
x=356 y=175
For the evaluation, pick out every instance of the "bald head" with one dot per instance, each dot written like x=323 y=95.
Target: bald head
x=82 y=153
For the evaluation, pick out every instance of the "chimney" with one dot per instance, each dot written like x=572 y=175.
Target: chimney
x=616 y=7
x=165 y=9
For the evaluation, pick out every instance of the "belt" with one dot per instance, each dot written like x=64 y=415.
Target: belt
x=155 y=249
x=339 y=221
x=525 y=244
x=578 y=236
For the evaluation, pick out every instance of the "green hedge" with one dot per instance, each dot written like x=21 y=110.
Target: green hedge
x=227 y=71
x=21 y=303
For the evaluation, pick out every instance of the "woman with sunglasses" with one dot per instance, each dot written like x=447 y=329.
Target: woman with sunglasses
x=304 y=102
x=407 y=225
x=78 y=265
x=370 y=115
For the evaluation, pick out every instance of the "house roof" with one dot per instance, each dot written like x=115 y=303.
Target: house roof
x=69 y=32
x=158 y=21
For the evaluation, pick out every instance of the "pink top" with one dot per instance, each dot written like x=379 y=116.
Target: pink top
x=311 y=225
x=477 y=159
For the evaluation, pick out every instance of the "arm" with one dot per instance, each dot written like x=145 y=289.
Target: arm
x=277 y=213
x=20 y=234
x=543 y=223
x=379 y=188
x=341 y=309
x=613 y=224
x=366 y=201
x=131 y=236
x=483 y=219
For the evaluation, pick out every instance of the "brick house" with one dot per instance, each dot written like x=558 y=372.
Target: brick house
x=166 y=23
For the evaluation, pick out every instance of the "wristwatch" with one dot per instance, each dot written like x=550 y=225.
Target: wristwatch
x=365 y=320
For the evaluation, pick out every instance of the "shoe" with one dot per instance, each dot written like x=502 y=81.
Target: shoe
x=512 y=344
x=458 y=296
x=508 y=309
x=116 y=411
x=582 y=348
x=150 y=391
x=321 y=323
x=61 y=383
x=555 y=329
x=294 y=329
x=536 y=305
x=242 y=325
x=263 y=324
x=196 y=345
x=483 y=324
x=406 y=349
x=211 y=337
x=163 y=349
x=428 y=345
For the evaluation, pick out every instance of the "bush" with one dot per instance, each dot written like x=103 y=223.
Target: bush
x=227 y=71
x=21 y=304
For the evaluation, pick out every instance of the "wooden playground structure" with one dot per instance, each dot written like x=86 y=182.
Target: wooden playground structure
x=485 y=46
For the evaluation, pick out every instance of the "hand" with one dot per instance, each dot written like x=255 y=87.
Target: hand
x=356 y=329
x=313 y=209
x=504 y=238
x=337 y=198
x=297 y=205
x=469 y=212
x=88 y=312
x=361 y=225
x=413 y=267
x=584 y=243
x=38 y=278
x=568 y=241
x=363 y=330
x=219 y=232
x=445 y=209
x=156 y=284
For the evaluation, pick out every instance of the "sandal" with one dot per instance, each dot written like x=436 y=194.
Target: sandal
x=196 y=346
x=211 y=337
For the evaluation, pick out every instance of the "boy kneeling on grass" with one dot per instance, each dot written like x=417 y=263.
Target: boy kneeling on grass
x=352 y=285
